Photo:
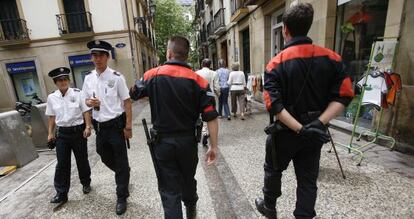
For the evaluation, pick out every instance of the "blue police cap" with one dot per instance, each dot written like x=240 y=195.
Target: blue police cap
x=57 y=72
x=99 y=46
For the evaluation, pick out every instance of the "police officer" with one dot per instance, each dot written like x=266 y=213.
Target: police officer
x=106 y=91
x=177 y=97
x=305 y=87
x=66 y=110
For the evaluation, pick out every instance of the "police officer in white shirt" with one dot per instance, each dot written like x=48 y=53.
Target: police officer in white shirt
x=106 y=91
x=67 y=110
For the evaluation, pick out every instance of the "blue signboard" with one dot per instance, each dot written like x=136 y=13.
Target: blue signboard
x=80 y=60
x=120 y=45
x=21 y=67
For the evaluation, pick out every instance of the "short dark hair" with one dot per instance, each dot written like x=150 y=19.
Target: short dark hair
x=63 y=77
x=180 y=46
x=206 y=63
x=298 y=19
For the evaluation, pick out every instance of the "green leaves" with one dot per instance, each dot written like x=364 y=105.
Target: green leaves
x=169 y=21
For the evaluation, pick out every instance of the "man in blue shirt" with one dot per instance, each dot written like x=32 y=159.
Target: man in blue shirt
x=223 y=74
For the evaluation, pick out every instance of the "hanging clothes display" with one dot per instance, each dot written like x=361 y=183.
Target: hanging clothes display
x=396 y=87
x=375 y=88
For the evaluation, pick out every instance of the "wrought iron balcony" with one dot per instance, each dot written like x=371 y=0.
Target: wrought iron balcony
x=72 y=25
x=13 y=32
x=238 y=10
x=219 y=22
x=199 y=8
x=210 y=30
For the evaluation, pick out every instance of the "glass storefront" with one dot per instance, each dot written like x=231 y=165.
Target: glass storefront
x=359 y=24
x=25 y=81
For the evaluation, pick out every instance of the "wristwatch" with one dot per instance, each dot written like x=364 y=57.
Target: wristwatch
x=88 y=127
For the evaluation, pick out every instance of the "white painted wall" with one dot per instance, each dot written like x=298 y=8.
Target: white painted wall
x=106 y=15
x=40 y=16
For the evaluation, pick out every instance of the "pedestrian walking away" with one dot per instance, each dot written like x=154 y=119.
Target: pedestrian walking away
x=177 y=97
x=213 y=80
x=106 y=91
x=223 y=76
x=68 y=113
x=305 y=87
x=237 y=83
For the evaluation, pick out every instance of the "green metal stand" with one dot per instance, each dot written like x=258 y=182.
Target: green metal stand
x=353 y=147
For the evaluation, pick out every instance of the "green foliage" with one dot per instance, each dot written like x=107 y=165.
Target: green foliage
x=169 y=21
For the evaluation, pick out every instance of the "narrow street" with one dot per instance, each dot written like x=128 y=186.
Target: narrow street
x=226 y=189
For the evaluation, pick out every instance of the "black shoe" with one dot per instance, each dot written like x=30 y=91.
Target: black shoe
x=59 y=199
x=86 y=189
x=121 y=207
x=191 y=212
x=229 y=118
x=268 y=213
x=205 y=140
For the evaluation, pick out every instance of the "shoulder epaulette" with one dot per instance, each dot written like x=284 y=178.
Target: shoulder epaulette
x=76 y=89
x=117 y=73
x=88 y=72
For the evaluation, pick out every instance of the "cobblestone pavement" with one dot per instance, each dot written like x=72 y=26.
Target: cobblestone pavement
x=382 y=187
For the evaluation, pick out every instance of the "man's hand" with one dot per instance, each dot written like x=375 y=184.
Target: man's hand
x=317 y=124
x=315 y=135
x=87 y=132
x=128 y=133
x=93 y=102
x=50 y=137
x=211 y=155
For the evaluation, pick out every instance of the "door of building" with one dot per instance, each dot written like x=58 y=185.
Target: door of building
x=76 y=16
x=224 y=51
x=246 y=50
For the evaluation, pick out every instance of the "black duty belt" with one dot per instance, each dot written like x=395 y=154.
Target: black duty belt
x=71 y=129
x=308 y=117
x=110 y=123
x=176 y=134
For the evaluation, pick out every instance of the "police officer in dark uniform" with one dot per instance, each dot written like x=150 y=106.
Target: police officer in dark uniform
x=106 y=91
x=67 y=110
x=305 y=87
x=177 y=97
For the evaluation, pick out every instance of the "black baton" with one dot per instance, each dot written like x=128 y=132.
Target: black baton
x=127 y=143
x=150 y=143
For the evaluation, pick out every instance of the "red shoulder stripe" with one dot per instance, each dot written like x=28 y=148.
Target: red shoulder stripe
x=267 y=100
x=301 y=51
x=178 y=72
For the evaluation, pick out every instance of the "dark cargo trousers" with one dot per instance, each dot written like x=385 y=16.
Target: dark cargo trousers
x=305 y=156
x=177 y=160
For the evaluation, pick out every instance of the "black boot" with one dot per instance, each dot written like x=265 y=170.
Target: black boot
x=59 y=199
x=121 y=206
x=86 y=189
x=265 y=211
x=191 y=212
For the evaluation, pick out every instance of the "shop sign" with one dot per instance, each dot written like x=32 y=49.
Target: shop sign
x=80 y=60
x=383 y=54
x=21 y=67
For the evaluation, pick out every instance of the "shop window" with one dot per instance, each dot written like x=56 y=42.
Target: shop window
x=25 y=81
x=359 y=24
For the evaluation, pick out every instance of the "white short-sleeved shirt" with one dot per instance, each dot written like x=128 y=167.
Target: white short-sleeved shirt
x=375 y=87
x=67 y=109
x=111 y=89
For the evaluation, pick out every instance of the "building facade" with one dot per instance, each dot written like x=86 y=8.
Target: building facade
x=37 y=36
x=250 y=32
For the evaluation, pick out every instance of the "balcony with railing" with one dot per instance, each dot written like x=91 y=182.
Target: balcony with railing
x=13 y=32
x=75 y=25
x=219 y=22
x=238 y=10
x=210 y=30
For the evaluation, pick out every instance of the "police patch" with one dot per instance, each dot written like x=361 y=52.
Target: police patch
x=111 y=83
x=72 y=99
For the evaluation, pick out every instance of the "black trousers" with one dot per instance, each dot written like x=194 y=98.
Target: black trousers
x=305 y=158
x=66 y=142
x=111 y=147
x=177 y=160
